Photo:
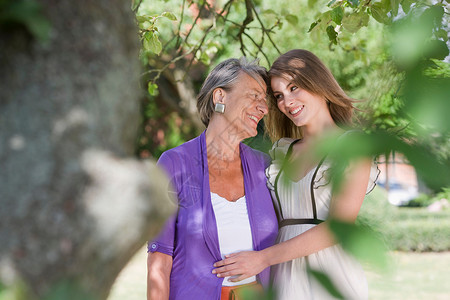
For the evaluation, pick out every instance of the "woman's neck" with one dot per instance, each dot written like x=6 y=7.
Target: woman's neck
x=323 y=123
x=312 y=132
x=222 y=142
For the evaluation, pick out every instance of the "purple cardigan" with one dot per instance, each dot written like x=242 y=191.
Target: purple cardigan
x=190 y=236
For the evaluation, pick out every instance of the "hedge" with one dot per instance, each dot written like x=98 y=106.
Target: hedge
x=405 y=228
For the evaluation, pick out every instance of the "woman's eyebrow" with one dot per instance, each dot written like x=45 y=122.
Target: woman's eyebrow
x=257 y=91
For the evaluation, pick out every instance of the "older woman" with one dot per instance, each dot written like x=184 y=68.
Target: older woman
x=224 y=204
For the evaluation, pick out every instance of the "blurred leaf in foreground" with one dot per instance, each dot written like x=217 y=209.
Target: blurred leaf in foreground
x=361 y=242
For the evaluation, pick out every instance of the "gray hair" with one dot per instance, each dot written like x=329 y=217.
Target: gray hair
x=224 y=76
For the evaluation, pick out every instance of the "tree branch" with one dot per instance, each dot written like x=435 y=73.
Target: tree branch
x=248 y=19
x=265 y=31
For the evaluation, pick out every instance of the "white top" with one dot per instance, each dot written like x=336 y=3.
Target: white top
x=233 y=229
x=291 y=278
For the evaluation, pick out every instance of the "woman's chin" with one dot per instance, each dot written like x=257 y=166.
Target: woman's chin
x=249 y=132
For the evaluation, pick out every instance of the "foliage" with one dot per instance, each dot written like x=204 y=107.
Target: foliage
x=406 y=229
x=16 y=290
x=420 y=231
x=422 y=200
x=27 y=14
x=288 y=33
x=344 y=16
x=425 y=200
x=361 y=242
x=68 y=290
x=163 y=129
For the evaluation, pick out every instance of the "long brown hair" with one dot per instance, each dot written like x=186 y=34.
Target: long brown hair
x=308 y=72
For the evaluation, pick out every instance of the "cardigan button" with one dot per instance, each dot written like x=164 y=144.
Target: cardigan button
x=154 y=246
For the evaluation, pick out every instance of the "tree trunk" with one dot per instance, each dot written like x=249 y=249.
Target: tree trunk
x=75 y=205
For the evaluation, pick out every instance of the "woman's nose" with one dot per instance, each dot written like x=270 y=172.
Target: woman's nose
x=262 y=107
x=288 y=100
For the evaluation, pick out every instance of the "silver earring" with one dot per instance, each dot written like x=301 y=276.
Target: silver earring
x=220 y=108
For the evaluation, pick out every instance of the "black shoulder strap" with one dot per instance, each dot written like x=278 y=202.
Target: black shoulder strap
x=313 y=199
x=286 y=159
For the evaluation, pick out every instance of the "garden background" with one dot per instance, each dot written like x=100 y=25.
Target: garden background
x=92 y=92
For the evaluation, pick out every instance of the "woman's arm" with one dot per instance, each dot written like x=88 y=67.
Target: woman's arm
x=159 y=266
x=345 y=207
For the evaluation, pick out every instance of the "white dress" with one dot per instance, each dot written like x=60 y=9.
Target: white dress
x=293 y=200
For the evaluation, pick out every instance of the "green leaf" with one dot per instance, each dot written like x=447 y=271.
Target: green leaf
x=311 y=3
x=442 y=34
x=152 y=42
x=390 y=122
x=379 y=13
x=212 y=48
x=386 y=5
x=332 y=34
x=394 y=6
x=354 y=22
x=436 y=49
x=406 y=5
x=280 y=25
x=293 y=20
x=337 y=14
x=169 y=16
x=325 y=18
x=269 y=12
x=353 y=3
x=361 y=242
x=411 y=35
x=326 y=282
x=313 y=24
x=141 y=18
x=146 y=18
x=152 y=89
x=329 y=3
x=434 y=15
x=427 y=103
x=204 y=58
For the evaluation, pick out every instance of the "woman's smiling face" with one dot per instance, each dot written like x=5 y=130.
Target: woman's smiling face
x=299 y=105
x=246 y=104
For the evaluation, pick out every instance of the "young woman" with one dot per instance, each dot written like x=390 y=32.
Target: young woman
x=307 y=103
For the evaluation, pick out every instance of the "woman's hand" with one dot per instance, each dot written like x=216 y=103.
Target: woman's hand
x=245 y=264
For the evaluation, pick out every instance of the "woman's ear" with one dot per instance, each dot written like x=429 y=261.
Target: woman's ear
x=218 y=95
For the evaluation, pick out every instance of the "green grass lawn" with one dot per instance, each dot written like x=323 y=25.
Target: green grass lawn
x=412 y=276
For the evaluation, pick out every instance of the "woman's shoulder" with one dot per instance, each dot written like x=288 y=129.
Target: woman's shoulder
x=282 y=142
x=278 y=154
x=280 y=148
x=181 y=157
x=188 y=147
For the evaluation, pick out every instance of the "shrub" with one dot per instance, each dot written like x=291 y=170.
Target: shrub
x=424 y=200
x=405 y=228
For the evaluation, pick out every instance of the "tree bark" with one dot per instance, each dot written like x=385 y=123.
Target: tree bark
x=75 y=204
